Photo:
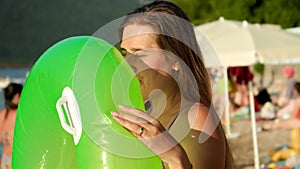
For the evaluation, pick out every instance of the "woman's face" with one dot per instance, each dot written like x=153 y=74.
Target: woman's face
x=148 y=60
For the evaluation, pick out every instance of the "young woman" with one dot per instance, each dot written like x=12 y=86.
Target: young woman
x=159 y=42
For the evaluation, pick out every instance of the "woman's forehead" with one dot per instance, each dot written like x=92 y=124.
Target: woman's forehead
x=135 y=30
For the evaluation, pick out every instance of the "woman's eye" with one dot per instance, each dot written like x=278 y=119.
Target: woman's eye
x=139 y=55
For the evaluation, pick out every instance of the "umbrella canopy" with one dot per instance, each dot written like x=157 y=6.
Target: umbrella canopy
x=240 y=43
x=295 y=30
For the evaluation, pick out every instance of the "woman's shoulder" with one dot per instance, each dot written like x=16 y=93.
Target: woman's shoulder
x=202 y=118
x=197 y=115
x=2 y=113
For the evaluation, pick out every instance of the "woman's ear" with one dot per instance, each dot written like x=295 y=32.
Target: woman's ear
x=176 y=66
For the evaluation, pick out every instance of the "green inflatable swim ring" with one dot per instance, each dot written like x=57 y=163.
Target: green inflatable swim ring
x=64 y=119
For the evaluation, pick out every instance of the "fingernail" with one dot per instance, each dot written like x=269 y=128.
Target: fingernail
x=116 y=118
x=114 y=113
x=121 y=106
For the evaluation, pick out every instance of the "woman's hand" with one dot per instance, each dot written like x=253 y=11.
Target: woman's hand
x=153 y=135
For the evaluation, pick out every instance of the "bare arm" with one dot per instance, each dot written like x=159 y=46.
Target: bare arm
x=154 y=136
x=286 y=124
x=205 y=144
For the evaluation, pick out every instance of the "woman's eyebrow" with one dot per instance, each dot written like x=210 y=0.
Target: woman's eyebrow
x=135 y=49
x=132 y=50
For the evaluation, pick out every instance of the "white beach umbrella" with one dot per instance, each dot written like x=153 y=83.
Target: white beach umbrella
x=295 y=30
x=240 y=43
x=232 y=43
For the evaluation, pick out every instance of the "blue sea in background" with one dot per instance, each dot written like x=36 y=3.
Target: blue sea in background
x=15 y=75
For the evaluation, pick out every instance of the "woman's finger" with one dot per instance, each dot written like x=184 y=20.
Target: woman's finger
x=136 y=112
x=135 y=119
x=158 y=140
x=136 y=129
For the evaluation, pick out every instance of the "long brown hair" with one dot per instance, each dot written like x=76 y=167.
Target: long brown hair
x=163 y=17
x=178 y=37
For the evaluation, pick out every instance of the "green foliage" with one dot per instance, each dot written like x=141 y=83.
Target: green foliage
x=259 y=68
x=283 y=12
x=198 y=11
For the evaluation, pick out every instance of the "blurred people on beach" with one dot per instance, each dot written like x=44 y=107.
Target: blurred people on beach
x=286 y=101
x=294 y=120
x=12 y=95
x=231 y=88
x=239 y=78
x=262 y=98
x=263 y=103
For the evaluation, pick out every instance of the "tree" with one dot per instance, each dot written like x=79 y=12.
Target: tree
x=282 y=12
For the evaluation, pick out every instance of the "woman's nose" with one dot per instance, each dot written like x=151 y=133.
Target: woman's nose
x=133 y=68
x=136 y=63
x=131 y=61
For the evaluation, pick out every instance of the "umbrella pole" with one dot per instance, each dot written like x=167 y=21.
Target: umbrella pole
x=229 y=134
x=227 y=111
x=253 y=124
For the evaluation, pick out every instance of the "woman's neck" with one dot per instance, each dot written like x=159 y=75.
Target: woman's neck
x=166 y=104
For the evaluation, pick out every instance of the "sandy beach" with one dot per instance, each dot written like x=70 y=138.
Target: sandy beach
x=242 y=146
